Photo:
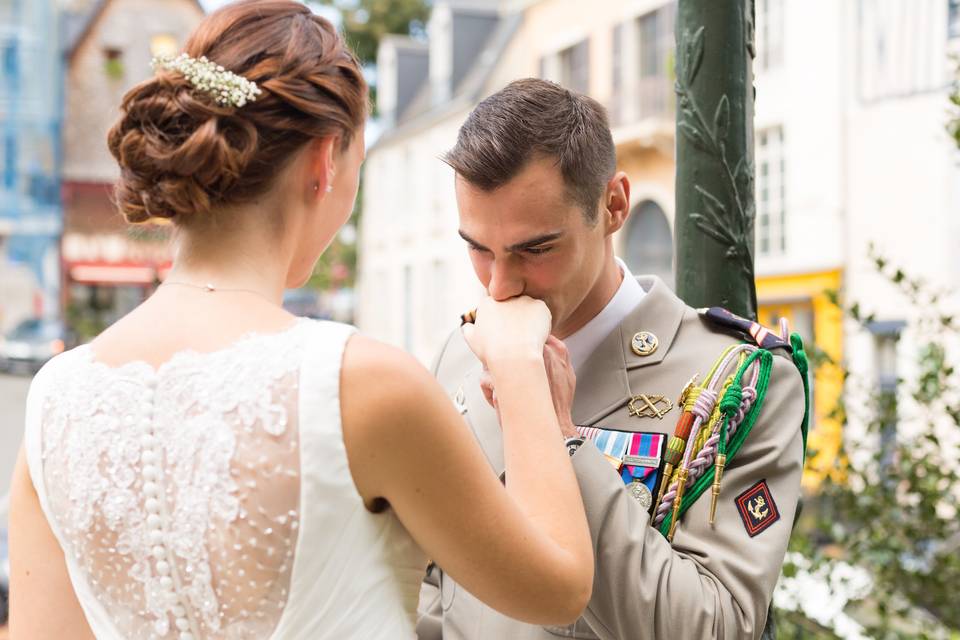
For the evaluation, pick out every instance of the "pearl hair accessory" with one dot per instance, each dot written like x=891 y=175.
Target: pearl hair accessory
x=226 y=87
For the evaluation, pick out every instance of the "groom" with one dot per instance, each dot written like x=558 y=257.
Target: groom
x=539 y=199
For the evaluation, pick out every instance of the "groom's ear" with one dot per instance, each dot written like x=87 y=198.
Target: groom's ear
x=616 y=203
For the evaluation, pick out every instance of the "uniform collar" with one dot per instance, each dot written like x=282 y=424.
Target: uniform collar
x=602 y=383
x=584 y=341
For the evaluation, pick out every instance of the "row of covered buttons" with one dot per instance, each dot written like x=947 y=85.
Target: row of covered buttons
x=150 y=457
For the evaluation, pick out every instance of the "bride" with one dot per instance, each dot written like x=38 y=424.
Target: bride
x=213 y=467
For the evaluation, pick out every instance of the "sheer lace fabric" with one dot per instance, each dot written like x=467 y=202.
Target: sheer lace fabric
x=175 y=491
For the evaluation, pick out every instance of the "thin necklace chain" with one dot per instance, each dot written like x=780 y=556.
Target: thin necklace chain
x=209 y=288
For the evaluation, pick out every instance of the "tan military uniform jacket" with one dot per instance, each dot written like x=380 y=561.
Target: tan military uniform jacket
x=713 y=581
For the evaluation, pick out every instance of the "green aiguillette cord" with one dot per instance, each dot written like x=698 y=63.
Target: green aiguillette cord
x=803 y=366
x=729 y=405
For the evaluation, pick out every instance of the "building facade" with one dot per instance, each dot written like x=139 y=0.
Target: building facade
x=108 y=267
x=851 y=151
x=30 y=160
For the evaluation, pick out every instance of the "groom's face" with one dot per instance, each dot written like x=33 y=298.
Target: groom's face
x=528 y=237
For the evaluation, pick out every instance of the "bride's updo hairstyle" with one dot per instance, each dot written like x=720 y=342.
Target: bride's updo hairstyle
x=182 y=154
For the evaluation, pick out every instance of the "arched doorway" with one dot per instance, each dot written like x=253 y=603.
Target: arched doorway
x=649 y=243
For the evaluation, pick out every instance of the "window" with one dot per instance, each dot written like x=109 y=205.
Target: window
x=575 y=67
x=9 y=160
x=113 y=63
x=953 y=18
x=9 y=59
x=655 y=46
x=769 y=34
x=163 y=45
x=896 y=47
x=437 y=298
x=649 y=242
x=616 y=68
x=771 y=193
x=886 y=337
x=408 y=318
x=643 y=55
x=651 y=58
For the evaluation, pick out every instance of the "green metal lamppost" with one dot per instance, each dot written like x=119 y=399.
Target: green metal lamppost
x=715 y=169
x=715 y=202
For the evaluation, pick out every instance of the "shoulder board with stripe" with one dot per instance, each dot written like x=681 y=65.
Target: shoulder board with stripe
x=753 y=331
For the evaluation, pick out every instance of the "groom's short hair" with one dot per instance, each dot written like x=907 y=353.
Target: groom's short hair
x=530 y=119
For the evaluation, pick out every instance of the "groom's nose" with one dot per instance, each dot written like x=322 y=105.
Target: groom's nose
x=505 y=281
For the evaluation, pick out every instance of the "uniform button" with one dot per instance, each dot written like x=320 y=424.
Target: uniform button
x=159 y=552
x=153 y=521
x=151 y=490
x=150 y=472
x=156 y=537
x=163 y=568
x=152 y=505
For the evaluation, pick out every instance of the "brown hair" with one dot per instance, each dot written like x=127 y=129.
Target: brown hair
x=181 y=154
x=534 y=118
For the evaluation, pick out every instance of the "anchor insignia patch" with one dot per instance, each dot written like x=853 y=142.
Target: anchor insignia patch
x=757 y=508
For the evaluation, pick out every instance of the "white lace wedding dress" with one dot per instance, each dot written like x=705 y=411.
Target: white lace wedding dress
x=211 y=497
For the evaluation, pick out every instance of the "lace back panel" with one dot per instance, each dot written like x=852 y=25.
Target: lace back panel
x=176 y=490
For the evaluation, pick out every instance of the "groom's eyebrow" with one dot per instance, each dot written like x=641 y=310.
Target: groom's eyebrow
x=472 y=241
x=519 y=246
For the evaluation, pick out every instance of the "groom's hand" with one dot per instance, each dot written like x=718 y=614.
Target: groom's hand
x=563 y=383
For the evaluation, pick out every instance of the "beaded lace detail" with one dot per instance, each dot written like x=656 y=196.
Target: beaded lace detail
x=175 y=490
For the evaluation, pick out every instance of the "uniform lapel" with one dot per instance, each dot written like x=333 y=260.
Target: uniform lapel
x=603 y=385
x=483 y=419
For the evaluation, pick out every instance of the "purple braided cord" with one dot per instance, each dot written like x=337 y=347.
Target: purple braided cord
x=703 y=406
x=707 y=454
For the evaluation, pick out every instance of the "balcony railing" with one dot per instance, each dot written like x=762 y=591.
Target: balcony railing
x=651 y=97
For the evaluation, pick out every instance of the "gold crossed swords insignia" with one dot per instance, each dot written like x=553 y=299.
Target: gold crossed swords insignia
x=649 y=406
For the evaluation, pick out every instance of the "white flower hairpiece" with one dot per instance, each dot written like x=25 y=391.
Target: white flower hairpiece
x=226 y=87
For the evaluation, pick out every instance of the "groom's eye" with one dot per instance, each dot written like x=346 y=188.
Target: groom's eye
x=536 y=251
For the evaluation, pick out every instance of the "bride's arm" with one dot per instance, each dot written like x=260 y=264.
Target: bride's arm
x=524 y=550
x=42 y=602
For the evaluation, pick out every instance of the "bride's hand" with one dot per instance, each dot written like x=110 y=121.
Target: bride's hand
x=507 y=331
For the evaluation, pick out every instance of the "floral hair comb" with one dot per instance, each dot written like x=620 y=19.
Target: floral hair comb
x=226 y=87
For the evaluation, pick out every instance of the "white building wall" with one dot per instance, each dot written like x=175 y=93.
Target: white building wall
x=802 y=95
x=857 y=171
x=409 y=226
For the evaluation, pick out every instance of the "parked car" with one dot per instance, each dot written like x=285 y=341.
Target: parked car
x=32 y=342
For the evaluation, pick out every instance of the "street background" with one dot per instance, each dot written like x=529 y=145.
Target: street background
x=856 y=180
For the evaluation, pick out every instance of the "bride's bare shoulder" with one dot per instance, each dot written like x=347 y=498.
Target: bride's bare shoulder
x=374 y=364
x=380 y=383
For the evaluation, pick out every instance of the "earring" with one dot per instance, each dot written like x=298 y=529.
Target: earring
x=316 y=186
x=329 y=188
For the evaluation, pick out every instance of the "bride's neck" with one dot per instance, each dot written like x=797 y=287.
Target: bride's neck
x=247 y=256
